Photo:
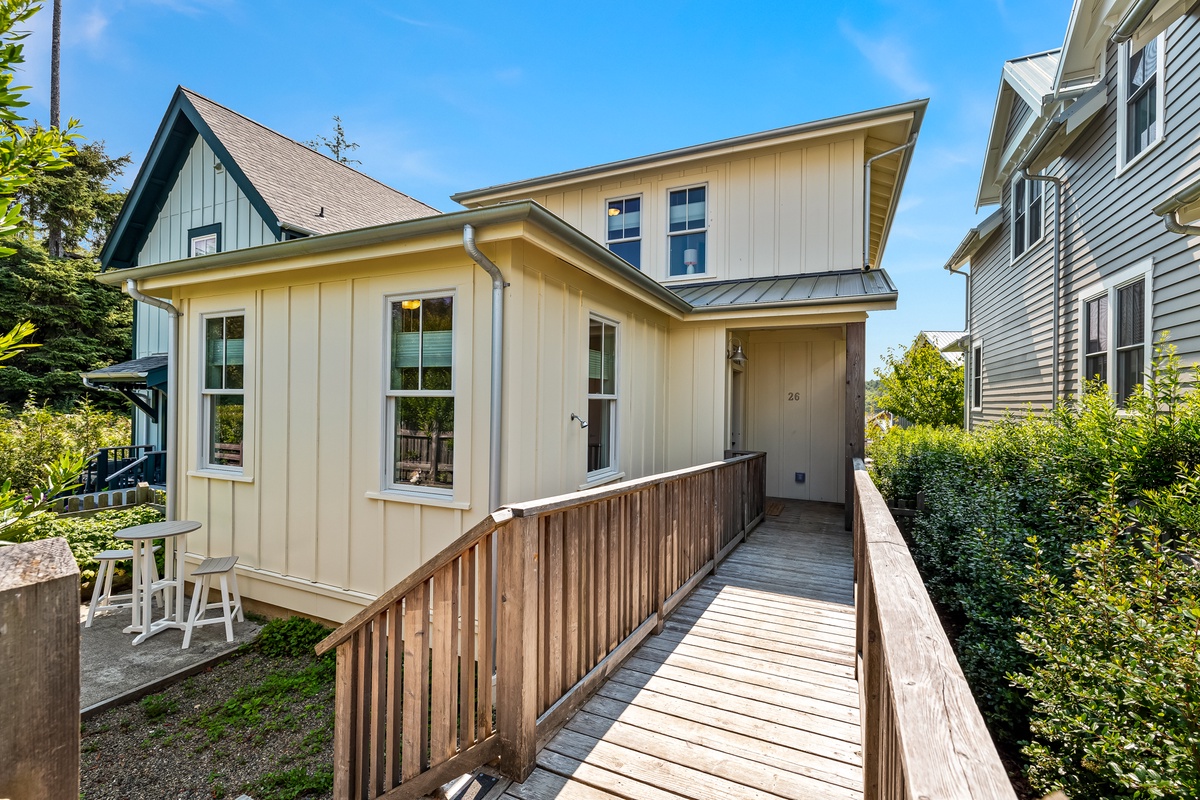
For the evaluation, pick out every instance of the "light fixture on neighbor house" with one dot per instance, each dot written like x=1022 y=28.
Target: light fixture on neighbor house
x=410 y=305
x=691 y=257
x=735 y=353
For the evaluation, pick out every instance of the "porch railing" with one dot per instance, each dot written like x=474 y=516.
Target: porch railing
x=124 y=467
x=922 y=734
x=491 y=645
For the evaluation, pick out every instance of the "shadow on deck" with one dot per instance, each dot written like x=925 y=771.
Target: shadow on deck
x=749 y=691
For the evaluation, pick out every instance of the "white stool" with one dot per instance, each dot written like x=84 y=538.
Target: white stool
x=102 y=588
x=200 y=605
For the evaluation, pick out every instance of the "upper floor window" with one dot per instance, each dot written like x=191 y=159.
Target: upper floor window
x=687 y=230
x=224 y=390
x=1115 y=339
x=204 y=240
x=624 y=235
x=1141 y=91
x=1027 y=215
x=420 y=393
x=977 y=377
x=602 y=397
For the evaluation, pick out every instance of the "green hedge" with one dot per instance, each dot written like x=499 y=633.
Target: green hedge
x=1015 y=515
x=90 y=534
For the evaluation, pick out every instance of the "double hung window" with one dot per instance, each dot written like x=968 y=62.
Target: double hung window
x=687 y=230
x=1027 y=215
x=624 y=235
x=420 y=393
x=1115 y=338
x=977 y=377
x=224 y=393
x=1141 y=99
x=602 y=398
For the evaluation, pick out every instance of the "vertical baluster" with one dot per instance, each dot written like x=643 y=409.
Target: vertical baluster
x=362 y=712
x=571 y=591
x=416 y=682
x=467 y=668
x=616 y=538
x=551 y=583
x=443 y=679
x=487 y=624
x=395 y=693
x=378 y=704
x=344 y=722
x=587 y=558
x=603 y=588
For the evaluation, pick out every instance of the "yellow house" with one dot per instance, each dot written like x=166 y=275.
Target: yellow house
x=347 y=403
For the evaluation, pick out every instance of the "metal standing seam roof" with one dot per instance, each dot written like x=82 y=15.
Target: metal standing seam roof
x=790 y=290
x=1033 y=75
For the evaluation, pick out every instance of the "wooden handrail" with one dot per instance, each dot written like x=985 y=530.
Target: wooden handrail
x=922 y=733
x=569 y=586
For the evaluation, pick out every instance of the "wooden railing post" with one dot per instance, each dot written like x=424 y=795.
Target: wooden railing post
x=664 y=518
x=39 y=654
x=516 y=648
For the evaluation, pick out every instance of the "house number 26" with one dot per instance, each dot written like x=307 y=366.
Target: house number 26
x=793 y=396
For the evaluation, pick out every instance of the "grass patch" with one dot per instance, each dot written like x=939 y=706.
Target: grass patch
x=292 y=784
x=274 y=693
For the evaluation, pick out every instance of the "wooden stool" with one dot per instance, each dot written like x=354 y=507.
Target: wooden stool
x=200 y=605
x=102 y=587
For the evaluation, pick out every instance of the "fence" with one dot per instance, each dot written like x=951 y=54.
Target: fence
x=569 y=585
x=100 y=501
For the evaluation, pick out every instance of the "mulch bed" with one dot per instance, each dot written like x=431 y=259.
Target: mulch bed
x=257 y=724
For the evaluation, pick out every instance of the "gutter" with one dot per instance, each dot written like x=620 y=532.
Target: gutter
x=1132 y=20
x=912 y=140
x=1169 y=210
x=497 y=398
x=131 y=289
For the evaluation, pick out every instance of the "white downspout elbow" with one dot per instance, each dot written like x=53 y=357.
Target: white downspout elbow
x=132 y=290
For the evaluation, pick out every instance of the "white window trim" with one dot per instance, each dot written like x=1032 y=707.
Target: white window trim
x=202 y=238
x=614 y=468
x=1160 y=130
x=976 y=396
x=1109 y=286
x=641 y=227
x=388 y=488
x=708 y=273
x=204 y=464
x=1013 y=257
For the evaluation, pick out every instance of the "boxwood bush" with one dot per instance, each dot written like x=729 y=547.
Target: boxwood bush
x=1015 y=544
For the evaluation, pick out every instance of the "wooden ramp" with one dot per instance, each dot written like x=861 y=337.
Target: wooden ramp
x=749 y=692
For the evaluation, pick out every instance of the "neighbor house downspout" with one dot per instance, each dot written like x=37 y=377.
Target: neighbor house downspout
x=966 y=355
x=866 y=264
x=172 y=390
x=1169 y=210
x=497 y=400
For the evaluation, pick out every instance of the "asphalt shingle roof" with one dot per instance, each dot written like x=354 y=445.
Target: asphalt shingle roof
x=297 y=182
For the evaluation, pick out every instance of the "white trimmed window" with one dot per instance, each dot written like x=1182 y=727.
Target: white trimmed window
x=223 y=392
x=419 y=393
x=687 y=231
x=204 y=240
x=1027 y=215
x=602 y=398
x=977 y=377
x=624 y=231
x=1141 y=94
x=1116 y=334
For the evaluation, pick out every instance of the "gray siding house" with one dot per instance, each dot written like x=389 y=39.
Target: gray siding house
x=1093 y=160
x=214 y=180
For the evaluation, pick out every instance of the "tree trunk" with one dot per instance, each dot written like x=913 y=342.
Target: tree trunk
x=54 y=242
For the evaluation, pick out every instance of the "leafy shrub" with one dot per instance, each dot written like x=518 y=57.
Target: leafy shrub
x=89 y=535
x=293 y=637
x=37 y=435
x=991 y=492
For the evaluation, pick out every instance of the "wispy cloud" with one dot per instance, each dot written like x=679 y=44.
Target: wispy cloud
x=424 y=23
x=890 y=57
x=94 y=23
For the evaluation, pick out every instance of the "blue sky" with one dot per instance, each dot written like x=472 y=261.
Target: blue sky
x=444 y=97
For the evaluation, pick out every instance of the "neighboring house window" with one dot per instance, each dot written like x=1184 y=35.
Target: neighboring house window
x=1027 y=215
x=1141 y=89
x=420 y=393
x=602 y=397
x=625 y=229
x=687 y=230
x=204 y=240
x=224 y=392
x=977 y=377
x=1115 y=339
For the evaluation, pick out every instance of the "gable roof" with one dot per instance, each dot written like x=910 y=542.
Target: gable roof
x=1095 y=23
x=940 y=340
x=1029 y=80
x=291 y=186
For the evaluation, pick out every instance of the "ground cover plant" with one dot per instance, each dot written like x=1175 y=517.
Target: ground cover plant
x=1061 y=550
x=90 y=534
x=260 y=724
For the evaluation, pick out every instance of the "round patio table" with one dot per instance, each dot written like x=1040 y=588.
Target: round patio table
x=144 y=585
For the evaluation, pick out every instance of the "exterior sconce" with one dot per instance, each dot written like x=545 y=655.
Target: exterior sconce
x=735 y=353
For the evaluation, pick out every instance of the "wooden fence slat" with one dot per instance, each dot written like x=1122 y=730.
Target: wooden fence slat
x=444 y=680
x=395 y=693
x=487 y=629
x=416 y=681
x=378 y=703
x=345 y=705
x=571 y=591
x=468 y=669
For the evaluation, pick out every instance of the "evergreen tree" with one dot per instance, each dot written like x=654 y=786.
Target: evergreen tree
x=77 y=203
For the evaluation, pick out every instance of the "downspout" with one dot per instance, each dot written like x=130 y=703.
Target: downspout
x=966 y=355
x=1171 y=220
x=172 y=390
x=497 y=400
x=1169 y=210
x=866 y=264
x=1132 y=20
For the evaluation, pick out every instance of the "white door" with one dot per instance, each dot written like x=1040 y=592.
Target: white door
x=796 y=405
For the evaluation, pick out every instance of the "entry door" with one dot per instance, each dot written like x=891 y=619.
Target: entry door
x=796 y=402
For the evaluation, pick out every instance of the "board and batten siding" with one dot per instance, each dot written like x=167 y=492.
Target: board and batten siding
x=754 y=202
x=200 y=196
x=1108 y=227
x=306 y=518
